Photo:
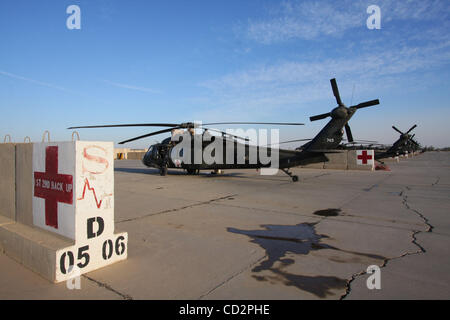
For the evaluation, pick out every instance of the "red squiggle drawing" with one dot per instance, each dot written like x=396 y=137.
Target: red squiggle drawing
x=90 y=159
x=86 y=184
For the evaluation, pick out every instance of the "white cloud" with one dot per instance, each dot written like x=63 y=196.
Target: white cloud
x=41 y=83
x=300 y=82
x=132 y=87
x=309 y=20
x=374 y=63
x=306 y=20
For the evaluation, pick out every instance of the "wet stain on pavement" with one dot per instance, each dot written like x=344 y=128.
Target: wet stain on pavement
x=328 y=212
x=280 y=240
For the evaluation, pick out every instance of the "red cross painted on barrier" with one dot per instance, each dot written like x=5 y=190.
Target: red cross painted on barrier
x=364 y=157
x=52 y=186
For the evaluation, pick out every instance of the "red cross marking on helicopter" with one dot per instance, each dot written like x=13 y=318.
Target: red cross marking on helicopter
x=53 y=187
x=364 y=157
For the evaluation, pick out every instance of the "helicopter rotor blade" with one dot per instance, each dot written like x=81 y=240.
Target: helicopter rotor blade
x=225 y=133
x=393 y=127
x=296 y=140
x=148 y=135
x=268 y=123
x=366 y=104
x=336 y=91
x=183 y=125
x=348 y=132
x=412 y=128
x=320 y=116
x=411 y=139
x=128 y=125
x=365 y=141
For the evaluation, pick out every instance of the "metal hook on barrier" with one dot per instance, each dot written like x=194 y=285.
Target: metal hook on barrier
x=25 y=139
x=73 y=133
x=4 y=140
x=48 y=135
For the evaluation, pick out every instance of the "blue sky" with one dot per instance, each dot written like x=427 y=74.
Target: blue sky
x=176 y=61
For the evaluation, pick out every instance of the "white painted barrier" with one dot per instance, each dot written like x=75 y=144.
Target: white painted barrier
x=361 y=160
x=72 y=200
x=365 y=157
x=74 y=196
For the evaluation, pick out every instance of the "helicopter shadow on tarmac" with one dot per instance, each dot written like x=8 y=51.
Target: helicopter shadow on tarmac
x=149 y=171
x=156 y=172
x=284 y=243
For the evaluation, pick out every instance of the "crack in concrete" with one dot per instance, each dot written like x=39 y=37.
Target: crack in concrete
x=190 y=206
x=436 y=182
x=207 y=202
x=108 y=287
x=348 y=288
x=359 y=195
x=314 y=177
x=413 y=236
x=232 y=277
x=177 y=209
x=425 y=220
x=364 y=191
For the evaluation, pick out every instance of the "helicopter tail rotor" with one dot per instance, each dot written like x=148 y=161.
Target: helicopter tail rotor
x=343 y=112
x=393 y=127
x=348 y=132
x=320 y=116
x=412 y=128
x=335 y=89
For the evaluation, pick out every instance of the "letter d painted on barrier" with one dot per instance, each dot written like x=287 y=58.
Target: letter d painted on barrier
x=90 y=227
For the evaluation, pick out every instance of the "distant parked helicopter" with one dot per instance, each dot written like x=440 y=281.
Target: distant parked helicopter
x=327 y=140
x=405 y=143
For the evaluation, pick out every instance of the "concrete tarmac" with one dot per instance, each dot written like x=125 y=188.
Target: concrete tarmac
x=245 y=236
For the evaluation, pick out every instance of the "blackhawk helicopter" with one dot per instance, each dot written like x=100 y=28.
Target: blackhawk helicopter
x=160 y=155
x=404 y=144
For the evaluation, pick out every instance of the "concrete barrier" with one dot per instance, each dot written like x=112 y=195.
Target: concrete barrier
x=346 y=160
x=34 y=248
x=135 y=155
x=391 y=159
x=336 y=160
x=64 y=203
x=127 y=153
x=24 y=183
x=7 y=181
x=318 y=165
x=361 y=160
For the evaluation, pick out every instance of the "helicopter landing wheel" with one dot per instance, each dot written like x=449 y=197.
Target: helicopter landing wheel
x=293 y=177
x=163 y=171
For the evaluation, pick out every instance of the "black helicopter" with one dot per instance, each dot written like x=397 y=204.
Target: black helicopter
x=404 y=144
x=160 y=155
